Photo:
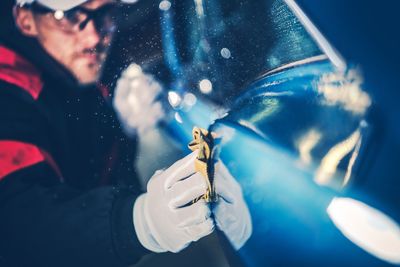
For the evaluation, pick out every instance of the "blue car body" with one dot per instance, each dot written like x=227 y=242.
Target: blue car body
x=301 y=134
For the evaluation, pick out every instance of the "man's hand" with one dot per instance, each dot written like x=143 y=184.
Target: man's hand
x=231 y=213
x=165 y=218
x=136 y=101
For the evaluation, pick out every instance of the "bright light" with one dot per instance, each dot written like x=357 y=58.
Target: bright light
x=174 y=99
x=205 y=86
x=189 y=99
x=225 y=53
x=307 y=143
x=59 y=14
x=345 y=89
x=199 y=7
x=330 y=162
x=178 y=117
x=165 y=5
x=367 y=227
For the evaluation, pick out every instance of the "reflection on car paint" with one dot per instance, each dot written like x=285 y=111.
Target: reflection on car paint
x=295 y=137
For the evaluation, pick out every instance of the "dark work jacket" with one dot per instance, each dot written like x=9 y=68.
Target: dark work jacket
x=67 y=179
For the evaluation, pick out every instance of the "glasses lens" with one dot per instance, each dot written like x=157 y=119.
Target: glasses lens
x=71 y=19
x=105 y=19
x=74 y=17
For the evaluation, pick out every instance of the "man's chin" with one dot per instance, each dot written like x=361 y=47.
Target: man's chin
x=86 y=69
x=87 y=76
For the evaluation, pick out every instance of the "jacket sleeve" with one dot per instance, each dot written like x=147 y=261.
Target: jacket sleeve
x=46 y=222
x=51 y=224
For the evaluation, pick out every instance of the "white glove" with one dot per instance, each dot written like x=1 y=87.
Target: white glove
x=231 y=213
x=165 y=218
x=135 y=100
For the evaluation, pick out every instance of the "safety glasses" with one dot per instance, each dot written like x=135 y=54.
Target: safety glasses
x=76 y=19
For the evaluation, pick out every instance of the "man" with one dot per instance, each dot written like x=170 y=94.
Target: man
x=68 y=191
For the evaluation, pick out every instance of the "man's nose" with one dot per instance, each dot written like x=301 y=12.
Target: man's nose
x=91 y=34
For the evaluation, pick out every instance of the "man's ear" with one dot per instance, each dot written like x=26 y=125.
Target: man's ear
x=25 y=21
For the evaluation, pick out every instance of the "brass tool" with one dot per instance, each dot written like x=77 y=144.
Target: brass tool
x=203 y=141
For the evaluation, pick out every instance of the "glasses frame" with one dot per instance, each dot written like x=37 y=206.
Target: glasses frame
x=90 y=14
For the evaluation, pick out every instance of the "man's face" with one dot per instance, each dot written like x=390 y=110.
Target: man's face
x=82 y=52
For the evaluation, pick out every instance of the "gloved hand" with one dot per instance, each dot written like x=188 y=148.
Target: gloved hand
x=231 y=213
x=135 y=100
x=165 y=218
